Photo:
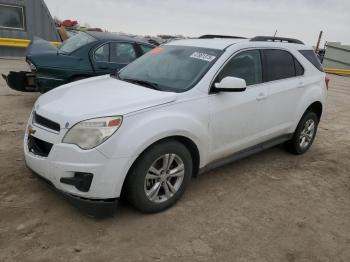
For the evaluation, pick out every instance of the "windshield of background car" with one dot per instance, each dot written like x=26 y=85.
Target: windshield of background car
x=75 y=42
x=172 y=68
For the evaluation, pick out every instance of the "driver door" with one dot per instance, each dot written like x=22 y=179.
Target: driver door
x=236 y=117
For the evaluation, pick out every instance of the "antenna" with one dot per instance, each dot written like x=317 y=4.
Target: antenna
x=275 y=33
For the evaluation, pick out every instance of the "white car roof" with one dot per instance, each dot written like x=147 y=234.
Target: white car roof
x=214 y=43
x=222 y=43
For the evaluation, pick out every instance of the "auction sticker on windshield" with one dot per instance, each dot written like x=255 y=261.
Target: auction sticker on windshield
x=203 y=56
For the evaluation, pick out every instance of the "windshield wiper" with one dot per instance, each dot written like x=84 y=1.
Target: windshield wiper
x=145 y=83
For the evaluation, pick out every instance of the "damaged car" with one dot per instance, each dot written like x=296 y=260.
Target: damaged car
x=83 y=55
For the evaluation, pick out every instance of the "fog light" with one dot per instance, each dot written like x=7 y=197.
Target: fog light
x=81 y=181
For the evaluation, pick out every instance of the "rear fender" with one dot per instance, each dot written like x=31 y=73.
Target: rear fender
x=314 y=93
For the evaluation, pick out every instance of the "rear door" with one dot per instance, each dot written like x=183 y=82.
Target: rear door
x=122 y=54
x=113 y=56
x=283 y=78
x=101 y=59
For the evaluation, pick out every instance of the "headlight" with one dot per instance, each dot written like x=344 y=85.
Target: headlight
x=93 y=132
x=32 y=67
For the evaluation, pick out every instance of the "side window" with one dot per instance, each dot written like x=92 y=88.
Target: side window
x=299 y=70
x=279 y=64
x=146 y=48
x=246 y=65
x=122 y=53
x=102 y=54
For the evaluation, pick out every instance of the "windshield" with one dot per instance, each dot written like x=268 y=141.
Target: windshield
x=75 y=42
x=171 y=68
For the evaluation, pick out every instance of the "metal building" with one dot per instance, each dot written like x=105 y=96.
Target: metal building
x=23 y=20
x=337 y=56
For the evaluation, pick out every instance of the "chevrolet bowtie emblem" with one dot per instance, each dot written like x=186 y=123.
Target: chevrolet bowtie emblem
x=31 y=130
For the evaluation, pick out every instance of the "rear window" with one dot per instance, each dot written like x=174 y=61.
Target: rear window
x=75 y=42
x=279 y=64
x=312 y=57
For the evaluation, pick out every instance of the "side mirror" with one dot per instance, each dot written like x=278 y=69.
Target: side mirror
x=231 y=84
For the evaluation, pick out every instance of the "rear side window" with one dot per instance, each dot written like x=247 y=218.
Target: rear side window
x=102 y=54
x=312 y=57
x=278 y=64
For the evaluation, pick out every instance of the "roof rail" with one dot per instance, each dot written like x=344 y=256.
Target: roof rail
x=220 y=36
x=276 y=39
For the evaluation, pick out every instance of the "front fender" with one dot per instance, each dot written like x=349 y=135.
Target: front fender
x=139 y=131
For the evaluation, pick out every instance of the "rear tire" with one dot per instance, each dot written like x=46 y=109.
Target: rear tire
x=159 y=177
x=304 y=134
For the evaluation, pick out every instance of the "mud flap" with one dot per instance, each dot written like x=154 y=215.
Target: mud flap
x=21 y=81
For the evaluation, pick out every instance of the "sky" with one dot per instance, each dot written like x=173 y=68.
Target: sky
x=302 y=19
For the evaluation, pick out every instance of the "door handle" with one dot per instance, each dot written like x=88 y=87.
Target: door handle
x=102 y=67
x=261 y=96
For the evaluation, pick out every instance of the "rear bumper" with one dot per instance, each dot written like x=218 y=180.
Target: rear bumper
x=100 y=208
x=30 y=82
x=21 y=81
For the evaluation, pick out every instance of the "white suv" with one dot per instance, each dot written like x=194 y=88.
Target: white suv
x=181 y=109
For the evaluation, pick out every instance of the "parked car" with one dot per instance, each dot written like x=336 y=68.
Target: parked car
x=183 y=108
x=81 y=56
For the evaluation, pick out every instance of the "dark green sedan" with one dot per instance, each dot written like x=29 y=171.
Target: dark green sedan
x=83 y=55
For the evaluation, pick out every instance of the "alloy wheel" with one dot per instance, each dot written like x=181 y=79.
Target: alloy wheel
x=307 y=134
x=164 y=178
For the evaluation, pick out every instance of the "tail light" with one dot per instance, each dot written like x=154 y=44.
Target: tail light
x=327 y=79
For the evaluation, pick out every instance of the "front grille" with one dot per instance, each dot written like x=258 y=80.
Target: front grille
x=39 y=147
x=46 y=122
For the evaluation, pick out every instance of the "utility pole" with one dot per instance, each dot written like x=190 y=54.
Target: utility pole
x=318 y=41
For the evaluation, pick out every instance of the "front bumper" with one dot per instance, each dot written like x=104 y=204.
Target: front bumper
x=91 y=207
x=64 y=161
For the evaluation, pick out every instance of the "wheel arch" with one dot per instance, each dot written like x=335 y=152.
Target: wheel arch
x=317 y=108
x=186 y=141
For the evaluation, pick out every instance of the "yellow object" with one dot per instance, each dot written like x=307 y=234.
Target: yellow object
x=22 y=43
x=337 y=71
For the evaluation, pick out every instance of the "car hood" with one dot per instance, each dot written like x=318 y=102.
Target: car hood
x=97 y=97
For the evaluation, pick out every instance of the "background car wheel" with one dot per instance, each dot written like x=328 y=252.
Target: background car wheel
x=159 y=177
x=304 y=135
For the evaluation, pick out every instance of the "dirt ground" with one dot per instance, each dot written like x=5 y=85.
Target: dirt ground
x=269 y=207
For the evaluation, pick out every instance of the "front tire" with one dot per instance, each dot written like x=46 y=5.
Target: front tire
x=159 y=177
x=304 y=134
